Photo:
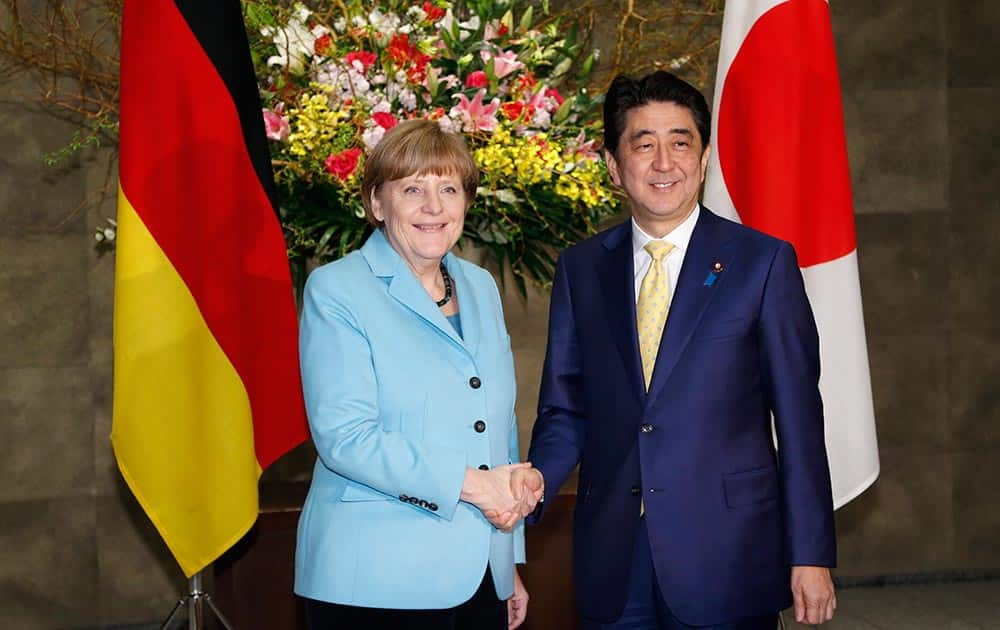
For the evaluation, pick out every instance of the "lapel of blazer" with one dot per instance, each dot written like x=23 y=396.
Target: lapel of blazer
x=473 y=314
x=708 y=245
x=404 y=287
x=616 y=277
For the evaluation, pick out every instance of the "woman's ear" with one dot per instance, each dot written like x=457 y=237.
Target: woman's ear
x=376 y=206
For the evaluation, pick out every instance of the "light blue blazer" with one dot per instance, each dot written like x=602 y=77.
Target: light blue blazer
x=394 y=397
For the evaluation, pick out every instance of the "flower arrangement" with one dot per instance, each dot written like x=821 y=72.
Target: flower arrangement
x=335 y=74
x=508 y=77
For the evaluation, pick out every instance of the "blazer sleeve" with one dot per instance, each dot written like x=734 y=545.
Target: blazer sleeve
x=520 y=556
x=790 y=357
x=341 y=396
x=558 y=436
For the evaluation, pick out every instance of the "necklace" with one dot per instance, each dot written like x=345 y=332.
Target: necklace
x=447 y=286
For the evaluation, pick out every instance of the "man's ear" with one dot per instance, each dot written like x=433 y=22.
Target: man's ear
x=609 y=159
x=704 y=160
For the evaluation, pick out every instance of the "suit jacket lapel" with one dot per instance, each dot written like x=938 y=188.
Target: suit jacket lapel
x=407 y=290
x=707 y=246
x=616 y=276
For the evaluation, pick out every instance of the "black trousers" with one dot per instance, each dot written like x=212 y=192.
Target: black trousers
x=482 y=612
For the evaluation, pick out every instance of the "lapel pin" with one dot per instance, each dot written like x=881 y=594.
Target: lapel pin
x=713 y=274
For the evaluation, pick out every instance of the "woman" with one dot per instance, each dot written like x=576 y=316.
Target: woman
x=409 y=388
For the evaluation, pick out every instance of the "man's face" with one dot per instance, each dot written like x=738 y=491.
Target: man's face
x=660 y=164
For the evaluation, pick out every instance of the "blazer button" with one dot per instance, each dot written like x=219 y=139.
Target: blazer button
x=480 y=426
x=646 y=428
x=475 y=383
x=636 y=491
x=483 y=467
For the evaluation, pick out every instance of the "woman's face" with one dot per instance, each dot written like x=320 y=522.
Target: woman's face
x=423 y=214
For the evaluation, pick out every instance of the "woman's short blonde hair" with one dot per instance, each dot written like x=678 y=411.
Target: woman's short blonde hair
x=416 y=147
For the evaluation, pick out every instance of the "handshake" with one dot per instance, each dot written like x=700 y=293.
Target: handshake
x=505 y=494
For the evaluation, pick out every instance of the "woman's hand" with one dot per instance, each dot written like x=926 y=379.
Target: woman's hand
x=490 y=491
x=517 y=605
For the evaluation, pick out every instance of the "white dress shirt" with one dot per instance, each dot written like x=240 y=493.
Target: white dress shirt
x=679 y=237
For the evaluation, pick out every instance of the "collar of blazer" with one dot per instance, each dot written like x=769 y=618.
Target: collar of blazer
x=711 y=242
x=403 y=286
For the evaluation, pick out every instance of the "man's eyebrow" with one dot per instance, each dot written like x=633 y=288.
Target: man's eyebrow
x=639 y=133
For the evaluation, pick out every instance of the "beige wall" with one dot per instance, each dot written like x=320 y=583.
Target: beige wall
x=920 y=91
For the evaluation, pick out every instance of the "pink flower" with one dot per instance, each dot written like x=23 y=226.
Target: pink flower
x=546 y=99
x=475 y=115
x=384 y=120
x=343 y=164
x=583 y=147
x=275 y=125
x=494 y=29
x=476 y=79
x=503 y=64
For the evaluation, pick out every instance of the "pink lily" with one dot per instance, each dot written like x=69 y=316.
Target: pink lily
x=275 y=124
x=474 y=114
x=585 y=148
x=503 y=64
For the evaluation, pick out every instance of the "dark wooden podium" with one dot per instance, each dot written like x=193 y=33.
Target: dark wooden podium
x=253 y=580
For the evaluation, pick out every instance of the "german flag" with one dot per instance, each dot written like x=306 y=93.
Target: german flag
x=207 y=387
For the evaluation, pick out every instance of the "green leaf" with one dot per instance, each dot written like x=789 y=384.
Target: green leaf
x=432 y=82
x=527 y=18
x=588 y=64
x=321 y=244
x=563 y=112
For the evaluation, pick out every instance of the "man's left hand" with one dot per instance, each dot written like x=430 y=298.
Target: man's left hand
x=812 y=591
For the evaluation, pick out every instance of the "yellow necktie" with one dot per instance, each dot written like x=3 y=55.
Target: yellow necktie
x=652 y=307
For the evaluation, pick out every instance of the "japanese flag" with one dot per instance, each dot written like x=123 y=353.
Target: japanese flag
x=780 y=165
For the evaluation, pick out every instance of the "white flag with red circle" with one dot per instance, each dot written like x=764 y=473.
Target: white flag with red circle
x=779 y=165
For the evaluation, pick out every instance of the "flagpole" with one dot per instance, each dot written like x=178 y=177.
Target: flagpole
x=195 y=601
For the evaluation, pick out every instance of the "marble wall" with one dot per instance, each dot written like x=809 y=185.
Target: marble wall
x=919 y=82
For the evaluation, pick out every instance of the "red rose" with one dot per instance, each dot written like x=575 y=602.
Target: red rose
x=384 y=120
x=433 y=12
x=322 y=44
x=366 y=58
x=513 y=110
x=477 y=79
x=343 y=164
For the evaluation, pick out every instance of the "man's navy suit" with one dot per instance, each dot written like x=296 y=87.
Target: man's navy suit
x=727 y=516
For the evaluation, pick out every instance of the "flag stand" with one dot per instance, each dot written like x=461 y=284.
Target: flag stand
x=195 y=600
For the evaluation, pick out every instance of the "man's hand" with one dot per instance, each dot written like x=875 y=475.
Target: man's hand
x=527 y=487
x=490 y=491
x=812 y=591
x=517 y=605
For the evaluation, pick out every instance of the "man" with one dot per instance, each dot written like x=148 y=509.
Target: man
x=686 y=516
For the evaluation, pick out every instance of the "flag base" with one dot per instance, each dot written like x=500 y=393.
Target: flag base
x=195 y=602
